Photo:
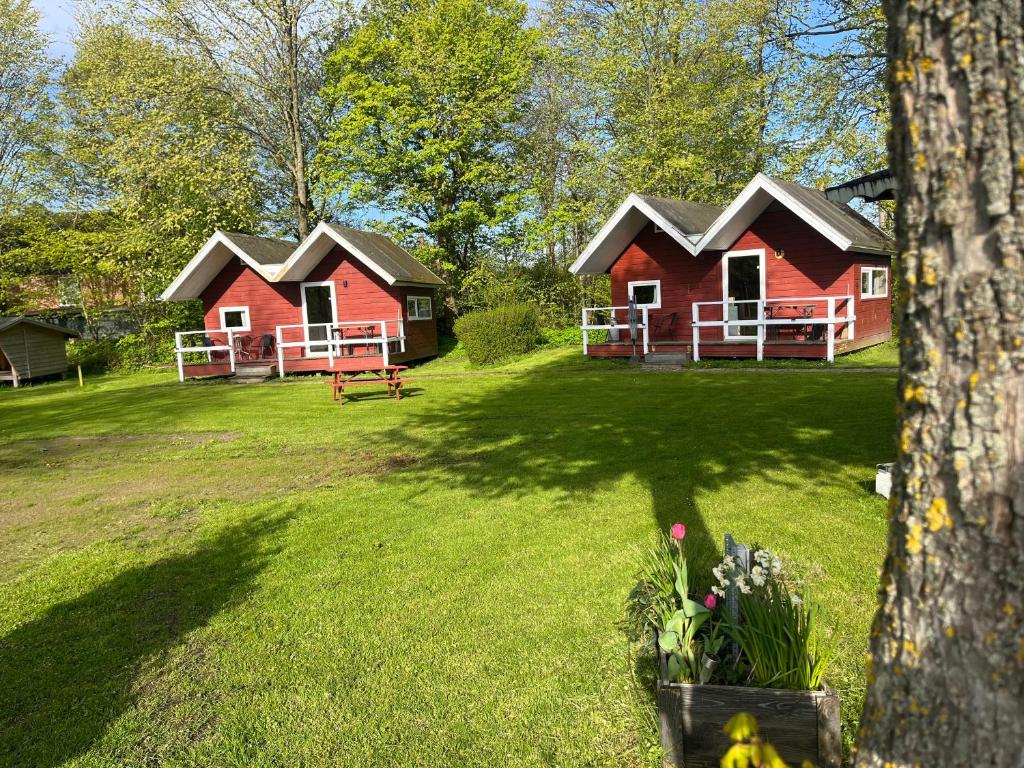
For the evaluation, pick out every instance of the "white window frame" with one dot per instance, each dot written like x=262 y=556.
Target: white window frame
x=244 y=310
x=412 y=307
x=657 y=287
x=871 y=283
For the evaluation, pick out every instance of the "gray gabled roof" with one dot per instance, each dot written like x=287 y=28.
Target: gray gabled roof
x=263 y=250
x=862 y=234
x=686 y=216
x=7 y=323
x=391 y=257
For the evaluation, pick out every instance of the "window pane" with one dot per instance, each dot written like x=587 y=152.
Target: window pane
x=878 y=287
x=234 y=319
x=865 y=282
x=645 y=294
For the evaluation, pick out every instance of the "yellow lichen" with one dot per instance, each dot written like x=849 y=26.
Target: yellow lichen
x=920 y=162
x=990 y=637
x=965 y=61
x=938 y=516
x=1008 y=609
x=950 y=632
x=918 y=393
x=972 y=380
x=914 y=536
x=926 y=65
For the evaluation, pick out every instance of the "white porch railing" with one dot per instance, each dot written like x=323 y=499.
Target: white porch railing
x=182 y=348
x=762 y=321
x=614 y=325
x=379 y=335
x=334 y=339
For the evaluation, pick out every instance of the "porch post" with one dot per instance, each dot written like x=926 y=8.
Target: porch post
x=330 y=345
x=646 y=336
x=586 y=334
x=280 y=354
x=384 y=343
x=830 y=353
x=180 y=356
x=231 y=348
x=760 y=329
x=401 y=335
x=695 y=311
x=850 y=315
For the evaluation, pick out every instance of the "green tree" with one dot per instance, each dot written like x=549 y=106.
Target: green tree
x=267 y=58
x=24 y=103
x=429 y=97
x=146 y=164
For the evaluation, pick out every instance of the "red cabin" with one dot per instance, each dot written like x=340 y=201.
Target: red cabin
x=339 y=293
x=782 y=272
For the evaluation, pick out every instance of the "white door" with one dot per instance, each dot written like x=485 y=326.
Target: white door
x=318 y=306
x=742 y=287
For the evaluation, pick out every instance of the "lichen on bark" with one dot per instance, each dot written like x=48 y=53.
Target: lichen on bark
x=946 y=685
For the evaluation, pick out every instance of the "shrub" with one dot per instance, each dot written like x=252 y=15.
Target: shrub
x=562 y=337
x=495 y=335
x=94 y=355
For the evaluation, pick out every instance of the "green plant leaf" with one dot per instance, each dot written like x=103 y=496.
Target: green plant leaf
x=668 y=641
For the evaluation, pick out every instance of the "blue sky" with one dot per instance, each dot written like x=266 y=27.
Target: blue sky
x=58 y=22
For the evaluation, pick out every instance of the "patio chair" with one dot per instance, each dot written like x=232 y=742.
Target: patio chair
x=214 y=355
x=243 y=347
x=665 y=328
x=265 y=347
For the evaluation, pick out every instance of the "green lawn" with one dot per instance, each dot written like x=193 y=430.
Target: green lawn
x=215 y=575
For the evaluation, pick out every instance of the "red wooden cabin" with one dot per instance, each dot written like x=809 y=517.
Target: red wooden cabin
x=340 y=293
x=782 y=272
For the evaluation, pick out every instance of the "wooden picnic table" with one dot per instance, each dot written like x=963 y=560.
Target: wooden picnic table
x=354 y=375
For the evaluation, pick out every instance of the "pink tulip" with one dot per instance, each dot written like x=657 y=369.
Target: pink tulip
x=678 y=531
x=710 y=602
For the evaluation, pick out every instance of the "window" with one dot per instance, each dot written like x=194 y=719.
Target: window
x=69 y=292
x=418 y=307
x=235 y=319
x=874 y=282
x=646 y=293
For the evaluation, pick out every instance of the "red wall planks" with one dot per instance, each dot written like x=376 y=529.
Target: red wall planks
x=799 y=262
x=360 y=293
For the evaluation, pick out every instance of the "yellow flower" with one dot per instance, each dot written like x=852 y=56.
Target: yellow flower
x=741 y=726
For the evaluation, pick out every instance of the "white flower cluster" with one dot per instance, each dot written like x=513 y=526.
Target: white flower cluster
x=766 y=563
x=728 y=573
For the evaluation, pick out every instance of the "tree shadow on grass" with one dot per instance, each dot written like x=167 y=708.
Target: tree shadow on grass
x=68 y=674
x=681 y=435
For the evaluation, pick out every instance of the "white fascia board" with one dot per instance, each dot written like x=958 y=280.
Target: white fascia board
x=602 y=251
x=747 y=206
x=190 y=282
x=306 y=256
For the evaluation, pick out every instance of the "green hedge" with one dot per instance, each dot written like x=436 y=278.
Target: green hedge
x=494 y=335
x=94 y=355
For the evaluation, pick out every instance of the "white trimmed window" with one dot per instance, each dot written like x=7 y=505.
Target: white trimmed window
x=235 y=319
x=418 y=307
x=646 y=293
x=874 y=282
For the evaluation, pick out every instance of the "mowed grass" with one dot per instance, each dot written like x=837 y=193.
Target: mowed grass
x=214 y=575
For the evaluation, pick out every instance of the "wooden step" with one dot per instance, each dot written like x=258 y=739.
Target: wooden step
x=676 y=359
x=253 y=374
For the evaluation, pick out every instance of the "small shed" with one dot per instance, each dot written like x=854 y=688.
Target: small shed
x=31 y=349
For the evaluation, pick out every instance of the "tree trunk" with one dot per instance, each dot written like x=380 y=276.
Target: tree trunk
x=946 y=686
x=290 y=32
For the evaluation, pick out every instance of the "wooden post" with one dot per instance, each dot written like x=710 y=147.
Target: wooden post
x=695 y=311
x=280 y=353
x=646 y=336
x=760 y=329
x=583 y=325
x=850 y=315
x=80 y=382
x=180 y=356
x=231 y=349
x=830 y=353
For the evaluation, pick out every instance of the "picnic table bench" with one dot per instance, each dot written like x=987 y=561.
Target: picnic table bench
x=354 y=375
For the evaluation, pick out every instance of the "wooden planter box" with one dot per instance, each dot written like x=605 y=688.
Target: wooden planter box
x=801 y=725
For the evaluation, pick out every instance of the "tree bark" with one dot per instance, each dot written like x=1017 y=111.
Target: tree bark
x=946 y=684
x=290 y=32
